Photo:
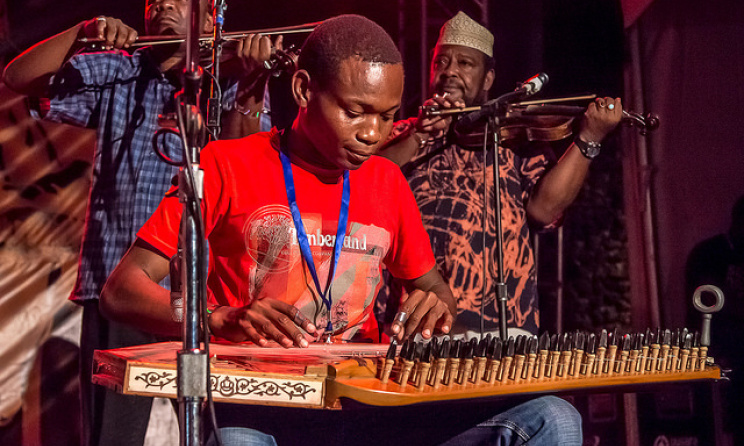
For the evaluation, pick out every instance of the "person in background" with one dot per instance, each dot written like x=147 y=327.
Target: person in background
x=444 y=167
x=120 y=95
x=719 y=261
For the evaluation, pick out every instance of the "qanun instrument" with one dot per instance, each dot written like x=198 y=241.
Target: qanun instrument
x=323 y=375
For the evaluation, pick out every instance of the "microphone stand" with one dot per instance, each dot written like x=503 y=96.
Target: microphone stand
x=494 y=122
x=191 y=361
x=501 y=289
x=494 y=111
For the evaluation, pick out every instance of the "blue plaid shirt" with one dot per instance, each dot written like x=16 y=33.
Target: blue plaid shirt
x=121 y=96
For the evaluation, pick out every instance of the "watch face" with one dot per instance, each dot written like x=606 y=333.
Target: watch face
x=592 y=149
x=588 y=149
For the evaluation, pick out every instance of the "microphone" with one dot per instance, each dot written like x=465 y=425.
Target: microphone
x=524 y=89
x=532 y=85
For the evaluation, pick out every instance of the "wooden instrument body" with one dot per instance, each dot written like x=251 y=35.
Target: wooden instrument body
x=323 y=375
x=239 y=373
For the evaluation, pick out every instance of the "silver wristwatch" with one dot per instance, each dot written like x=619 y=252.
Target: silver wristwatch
x=589 y=149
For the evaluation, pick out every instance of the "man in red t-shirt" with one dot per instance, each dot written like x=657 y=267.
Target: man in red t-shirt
x=261 y=283
x=282 y=211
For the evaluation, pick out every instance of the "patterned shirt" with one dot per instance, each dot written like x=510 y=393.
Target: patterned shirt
x=447 y=181
x=120 y=95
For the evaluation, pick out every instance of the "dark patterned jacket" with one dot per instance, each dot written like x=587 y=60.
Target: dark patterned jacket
x=447 y=181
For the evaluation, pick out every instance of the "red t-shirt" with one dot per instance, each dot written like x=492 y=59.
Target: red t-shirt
x=253 y=244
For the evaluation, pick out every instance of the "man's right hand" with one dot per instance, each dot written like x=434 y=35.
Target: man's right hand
x=410 y=141
x=114 y=32
x=261 y=321
x=29 y=73
x=435 y=126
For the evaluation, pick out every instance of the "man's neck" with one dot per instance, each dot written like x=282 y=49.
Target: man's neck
x=480 y=100
x=169 y=59
x=304 y=154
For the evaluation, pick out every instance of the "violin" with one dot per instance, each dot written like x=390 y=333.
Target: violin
x=281 y=61
x=540 y=121
x=206 y=40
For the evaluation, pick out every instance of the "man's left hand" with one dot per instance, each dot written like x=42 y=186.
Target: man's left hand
x=601 y=117
x=254 y=50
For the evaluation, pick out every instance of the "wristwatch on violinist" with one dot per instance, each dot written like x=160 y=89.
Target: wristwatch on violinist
x=589 y=149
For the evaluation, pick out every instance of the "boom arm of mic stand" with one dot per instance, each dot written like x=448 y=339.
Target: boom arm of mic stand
x=493 y=109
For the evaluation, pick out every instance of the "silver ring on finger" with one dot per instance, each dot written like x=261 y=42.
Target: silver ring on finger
x=401 y=317
x=611 y=107
x=300 y=319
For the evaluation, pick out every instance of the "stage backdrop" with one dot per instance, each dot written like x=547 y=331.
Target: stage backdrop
x=44 y=175
x=689 y=59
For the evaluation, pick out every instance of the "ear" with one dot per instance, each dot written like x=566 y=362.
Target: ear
x=301 y=88
x=488 y=82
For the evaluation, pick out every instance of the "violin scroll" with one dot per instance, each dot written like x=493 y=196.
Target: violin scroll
x=646 y=123
x=283 y=61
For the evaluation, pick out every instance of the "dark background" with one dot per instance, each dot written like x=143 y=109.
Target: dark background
x=560 y=38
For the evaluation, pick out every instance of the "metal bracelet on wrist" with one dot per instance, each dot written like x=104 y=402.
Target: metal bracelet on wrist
x=248 y=112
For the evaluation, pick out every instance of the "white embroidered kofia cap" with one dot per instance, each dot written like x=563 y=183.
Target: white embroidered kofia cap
x=464 y=31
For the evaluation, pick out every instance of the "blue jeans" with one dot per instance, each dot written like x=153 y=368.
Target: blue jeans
x=542 y=421
x=242 y=436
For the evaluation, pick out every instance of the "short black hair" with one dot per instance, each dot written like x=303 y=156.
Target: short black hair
x=340 y=38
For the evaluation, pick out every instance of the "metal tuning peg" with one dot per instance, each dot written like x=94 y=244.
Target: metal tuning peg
x=697 y=302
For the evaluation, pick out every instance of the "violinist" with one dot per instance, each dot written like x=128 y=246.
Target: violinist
x=121 y=96
x=445 y=172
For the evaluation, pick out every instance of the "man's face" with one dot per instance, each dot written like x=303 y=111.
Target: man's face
x=460 y=72
x=347 y=121
x=171 y=17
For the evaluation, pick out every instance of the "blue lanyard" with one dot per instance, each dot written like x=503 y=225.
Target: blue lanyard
x=343 y=217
